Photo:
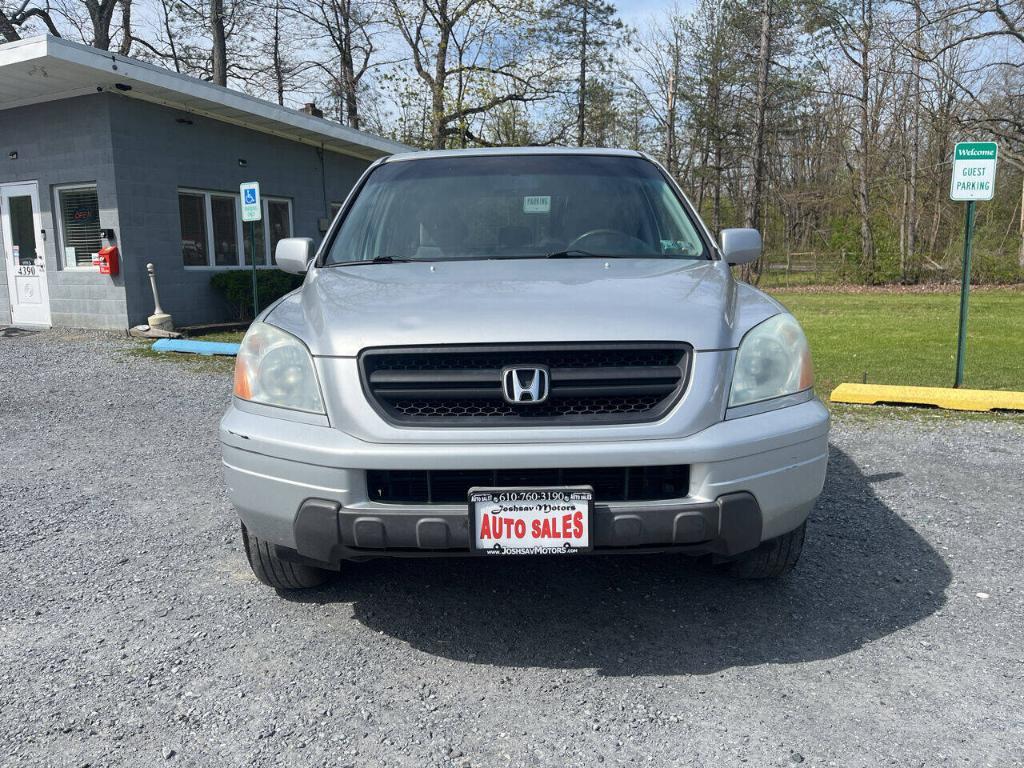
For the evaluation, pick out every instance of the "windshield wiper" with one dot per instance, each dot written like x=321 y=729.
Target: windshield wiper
x=375 y=260
x=575 y=253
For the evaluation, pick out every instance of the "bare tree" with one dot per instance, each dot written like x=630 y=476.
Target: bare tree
x=583 y=32
x=656 y=76
x=23 y=14
x=852 y=29
x=446 y=40
x=276 y=66
x=710 y=88
x=351 y=29
x=91 y=21
x=202 y=38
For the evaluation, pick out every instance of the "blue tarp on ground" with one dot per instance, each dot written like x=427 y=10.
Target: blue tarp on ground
x=196 y=347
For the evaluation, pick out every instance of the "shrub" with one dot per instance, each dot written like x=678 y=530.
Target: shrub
x=235 y=286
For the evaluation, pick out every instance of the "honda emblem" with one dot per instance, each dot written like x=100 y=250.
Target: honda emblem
x=526 y=384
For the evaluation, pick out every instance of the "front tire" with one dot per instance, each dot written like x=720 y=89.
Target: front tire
x=278 y=573
x=773 y=559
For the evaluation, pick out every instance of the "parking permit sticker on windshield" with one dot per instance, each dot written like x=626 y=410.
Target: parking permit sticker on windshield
x=537 y=204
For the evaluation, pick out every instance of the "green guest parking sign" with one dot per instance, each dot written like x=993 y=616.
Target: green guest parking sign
x=974 y=171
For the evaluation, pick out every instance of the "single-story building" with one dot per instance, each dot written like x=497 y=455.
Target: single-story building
x=97 y=149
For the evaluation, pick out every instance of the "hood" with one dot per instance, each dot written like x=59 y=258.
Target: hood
x=342 y=310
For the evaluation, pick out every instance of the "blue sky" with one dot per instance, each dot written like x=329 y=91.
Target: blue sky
x=634 y=12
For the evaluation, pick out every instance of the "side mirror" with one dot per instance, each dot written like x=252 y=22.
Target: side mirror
x=739 y=246
x=293 y=254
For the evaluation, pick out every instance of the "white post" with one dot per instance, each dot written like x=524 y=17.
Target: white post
x=159 y=320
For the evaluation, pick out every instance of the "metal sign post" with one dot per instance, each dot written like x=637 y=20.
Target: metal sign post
x=973 y=178
x=252 y=211
x=965 y=287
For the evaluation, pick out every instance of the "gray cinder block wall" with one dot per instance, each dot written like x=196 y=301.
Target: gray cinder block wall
x=66 y=142
x=155 y=155
x=139 y=155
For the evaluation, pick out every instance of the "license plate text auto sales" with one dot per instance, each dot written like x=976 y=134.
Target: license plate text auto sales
x=531 y=521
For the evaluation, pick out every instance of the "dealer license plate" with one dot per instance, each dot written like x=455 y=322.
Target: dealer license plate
x=531 y=521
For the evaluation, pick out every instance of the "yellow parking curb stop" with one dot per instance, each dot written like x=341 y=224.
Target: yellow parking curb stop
x=939 y=397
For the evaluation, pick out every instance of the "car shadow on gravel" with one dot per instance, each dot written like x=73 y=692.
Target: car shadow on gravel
x=865 y=574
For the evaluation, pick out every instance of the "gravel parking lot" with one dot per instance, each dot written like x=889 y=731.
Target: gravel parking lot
x=133 y=633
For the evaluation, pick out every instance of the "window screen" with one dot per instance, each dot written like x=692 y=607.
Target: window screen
x=192 y=209
x=80 y=225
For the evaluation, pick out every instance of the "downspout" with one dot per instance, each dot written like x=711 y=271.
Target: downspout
x=323 y=179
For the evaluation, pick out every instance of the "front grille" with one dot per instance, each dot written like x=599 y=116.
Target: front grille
x=452 y=486
x=589 y=383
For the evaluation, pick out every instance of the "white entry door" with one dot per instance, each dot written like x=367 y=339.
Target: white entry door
x=21 y=243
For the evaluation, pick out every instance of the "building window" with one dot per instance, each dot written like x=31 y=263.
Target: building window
x=79 y=224
x=279 y=224
x=192 y=209
x=225 y=230
x=256 y=229
x=212 y=228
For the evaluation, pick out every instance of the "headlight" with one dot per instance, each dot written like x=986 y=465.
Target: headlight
x=773 y=360
x=275 y=368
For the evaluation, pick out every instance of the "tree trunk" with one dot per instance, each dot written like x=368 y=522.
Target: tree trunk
x=670 y=120
x=351 y=103
x=220 y=47
x=761 y=113
x=278 y=63
x=915 y=149
x=712 y=140
x=101 y=14
x=581 y=107
x=941 y=124
x=753 y=219
x=716 y=190
x=437 y=126
x=436 y=114
x=867 y=246
x=7 y=29
x=100 y=31
x=702 y=181
x=126 y=28
x=904 y=227
x=348 y=71
x=670 y=112
x=1020 y=257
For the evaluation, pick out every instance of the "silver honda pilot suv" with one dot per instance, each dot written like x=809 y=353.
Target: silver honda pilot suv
x=521 y=352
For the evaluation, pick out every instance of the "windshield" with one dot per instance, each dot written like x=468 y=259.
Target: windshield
x=516 y=206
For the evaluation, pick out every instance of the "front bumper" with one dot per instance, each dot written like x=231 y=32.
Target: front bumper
x=303 y=486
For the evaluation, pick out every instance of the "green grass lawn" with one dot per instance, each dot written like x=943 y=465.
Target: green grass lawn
x=910 y=338
x=232 y=337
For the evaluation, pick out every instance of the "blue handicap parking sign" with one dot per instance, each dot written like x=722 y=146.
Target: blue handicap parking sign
x=250 y=191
